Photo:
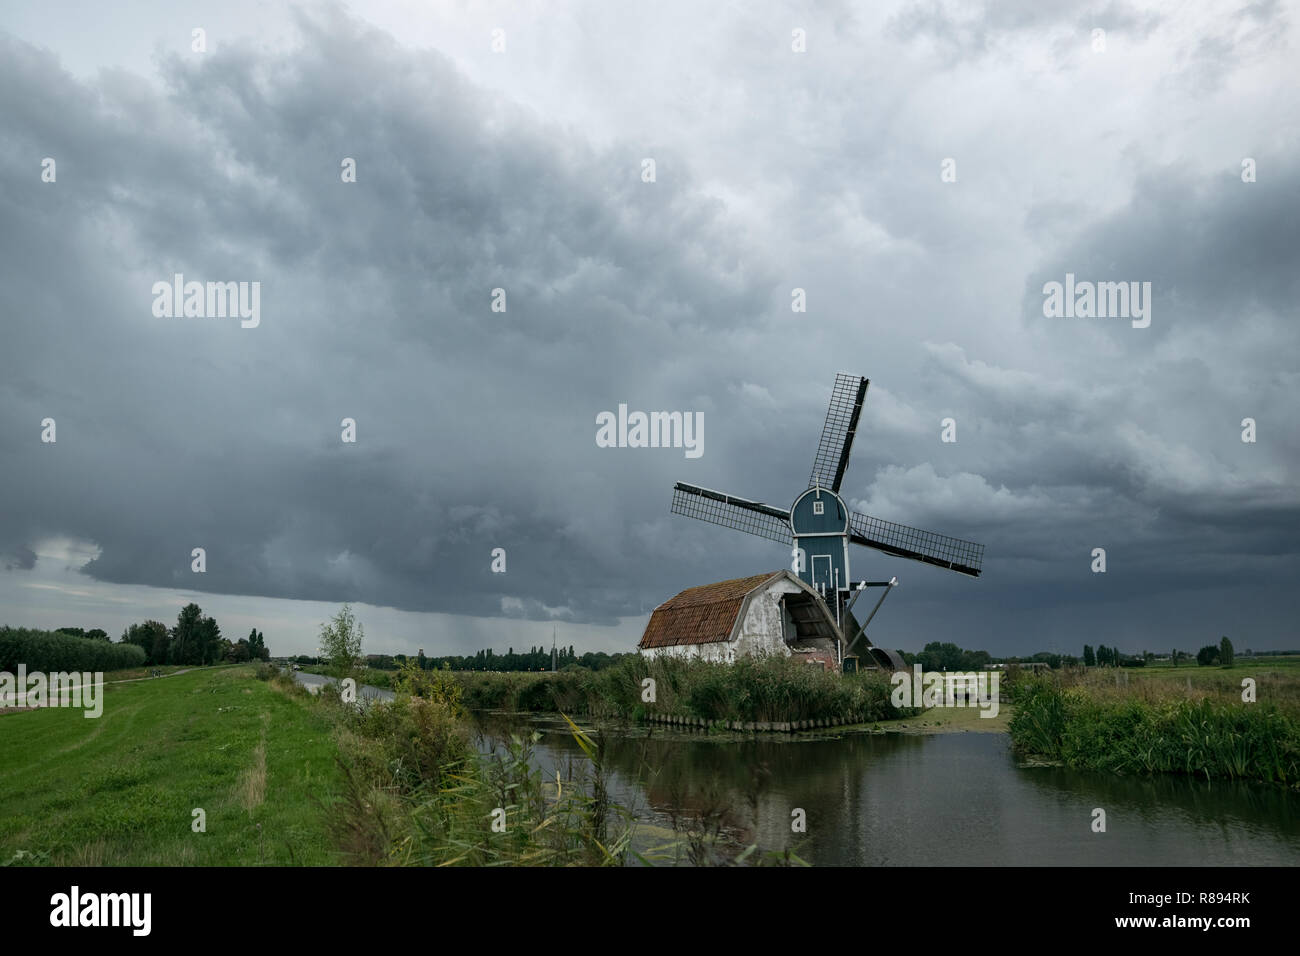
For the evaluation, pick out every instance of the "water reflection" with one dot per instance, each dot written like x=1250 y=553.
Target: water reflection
x=955 y=799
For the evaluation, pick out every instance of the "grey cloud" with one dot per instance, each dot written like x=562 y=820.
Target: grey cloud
x=476 y=429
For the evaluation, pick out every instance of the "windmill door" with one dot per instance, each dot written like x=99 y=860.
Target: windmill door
x=822 y=575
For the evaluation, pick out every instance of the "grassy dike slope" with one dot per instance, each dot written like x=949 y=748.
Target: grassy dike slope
x=119 y=790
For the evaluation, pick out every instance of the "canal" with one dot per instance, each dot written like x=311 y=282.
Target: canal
x=895 y=799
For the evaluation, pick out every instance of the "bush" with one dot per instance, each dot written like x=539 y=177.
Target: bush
x=50 y=652
x=409 y=742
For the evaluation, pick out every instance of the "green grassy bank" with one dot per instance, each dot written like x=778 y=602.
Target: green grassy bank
x=286 y=777
x=120 y=789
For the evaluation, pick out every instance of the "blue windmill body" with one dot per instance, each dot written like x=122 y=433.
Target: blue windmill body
x=819 y=523
x=819 y=527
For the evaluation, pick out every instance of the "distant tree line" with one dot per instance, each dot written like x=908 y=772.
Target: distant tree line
x=937 y=656
x=537 y=659
x=1210 y=654
x=195 y=639
x=1050 y=658
x=1105 y=656
x=943 y=656
x=1221 y=653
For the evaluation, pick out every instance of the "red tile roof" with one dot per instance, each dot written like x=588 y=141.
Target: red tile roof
x=700 y=615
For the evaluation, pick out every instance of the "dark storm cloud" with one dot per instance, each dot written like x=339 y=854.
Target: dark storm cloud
x=22 y=559
x=476 y=429
x=177 y=433
x=1215 y=250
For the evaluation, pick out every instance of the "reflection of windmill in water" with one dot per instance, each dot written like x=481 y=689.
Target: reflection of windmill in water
x=818 y=529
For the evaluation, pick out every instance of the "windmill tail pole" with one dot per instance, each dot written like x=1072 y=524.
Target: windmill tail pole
x=863 y=585
x=863 y=629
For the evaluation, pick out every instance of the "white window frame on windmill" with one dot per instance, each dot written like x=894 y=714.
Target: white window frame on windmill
x=819 y=507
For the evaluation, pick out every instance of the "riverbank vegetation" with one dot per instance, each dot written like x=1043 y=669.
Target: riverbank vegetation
x=1197 y=721
x=769 y=689
x=772 y=689
x=416 y=791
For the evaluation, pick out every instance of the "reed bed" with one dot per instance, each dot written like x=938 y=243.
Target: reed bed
x=771 y=689
x=1162 y=725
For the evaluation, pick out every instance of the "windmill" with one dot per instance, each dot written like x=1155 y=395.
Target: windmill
x=818 y=527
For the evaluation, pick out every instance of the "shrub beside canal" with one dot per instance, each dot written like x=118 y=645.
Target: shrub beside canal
x=1205 y=736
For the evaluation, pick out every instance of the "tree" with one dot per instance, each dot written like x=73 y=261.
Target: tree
x=257 y=646
x=940 y=657
x=340 y=642
x=152 y=637
x=210 y=642
x=96 y=634
x=162 y=642
x=1225 y=652
x=1207 y=655
x=1089 y=658
x=184 y=647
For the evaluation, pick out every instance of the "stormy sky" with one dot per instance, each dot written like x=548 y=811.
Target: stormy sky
x=1114 y=156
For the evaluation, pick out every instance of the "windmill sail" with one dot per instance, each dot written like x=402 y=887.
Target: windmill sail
x=837 y=434
x=898 y=539
x=731 y=512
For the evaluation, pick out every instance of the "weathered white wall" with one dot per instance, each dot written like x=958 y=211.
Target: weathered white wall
x=762 y=631
x=762 y=628
x=717 y=651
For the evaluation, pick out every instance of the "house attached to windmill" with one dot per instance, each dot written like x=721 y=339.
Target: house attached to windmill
x=773 y=613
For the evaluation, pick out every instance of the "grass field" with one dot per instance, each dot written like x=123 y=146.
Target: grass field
x=121 y=789
x=1277 y=680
